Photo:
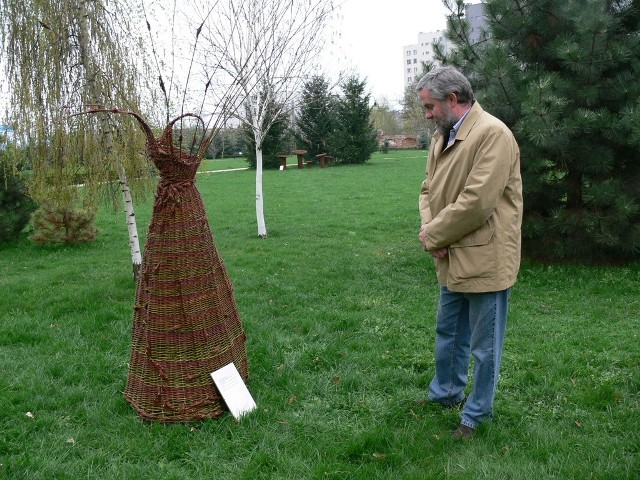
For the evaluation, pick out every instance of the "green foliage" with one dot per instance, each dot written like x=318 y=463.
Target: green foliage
x=354 y=138
x=413 y=111
x=63 y=225
x=316 y=120
x=424 y=141
x=15 y=205
x=62 y=58
x=229 y=142
x=563 y=75
x=338 y=304
x=385 y=120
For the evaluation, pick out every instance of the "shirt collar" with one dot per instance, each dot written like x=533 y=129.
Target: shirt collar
x=456 y=127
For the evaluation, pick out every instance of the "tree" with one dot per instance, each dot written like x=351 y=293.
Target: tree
x=354 y=138
x=562 y=74
x=15 y=205
x=60 y=57
x=228 y=143
x=316 y=117
x=275 y=140
x=384 y=118
x=268 y=48
x=413 y=111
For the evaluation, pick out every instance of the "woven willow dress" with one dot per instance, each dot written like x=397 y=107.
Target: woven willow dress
x=185 y=322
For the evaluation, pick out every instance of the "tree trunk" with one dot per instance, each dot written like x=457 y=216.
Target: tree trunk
x=130 y=217
x=262 y=228
x=134 y=242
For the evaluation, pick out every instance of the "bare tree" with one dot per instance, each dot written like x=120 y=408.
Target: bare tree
x=384 y=118
x=270 y=48
x=59 y=57
x=413 y=110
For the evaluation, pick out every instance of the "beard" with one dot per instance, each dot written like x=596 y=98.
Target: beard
x=446 y=122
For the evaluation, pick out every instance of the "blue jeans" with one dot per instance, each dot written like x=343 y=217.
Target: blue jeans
x=469 y=324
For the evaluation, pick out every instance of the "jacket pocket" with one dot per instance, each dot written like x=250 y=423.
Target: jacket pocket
x=474 y=255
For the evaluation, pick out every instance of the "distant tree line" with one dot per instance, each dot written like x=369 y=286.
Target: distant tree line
x=339 y=125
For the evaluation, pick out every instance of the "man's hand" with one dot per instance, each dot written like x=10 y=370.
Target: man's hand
x=423 y=235
x=438 y=252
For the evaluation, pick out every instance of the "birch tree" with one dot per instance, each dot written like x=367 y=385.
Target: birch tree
x=60 y=56
x=270 y=48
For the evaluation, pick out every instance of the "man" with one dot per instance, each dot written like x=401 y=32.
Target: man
x=471 y=212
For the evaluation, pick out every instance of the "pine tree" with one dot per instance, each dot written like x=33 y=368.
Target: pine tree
x=15 y=205
x=316 y=119
x=562 y=74
x=354 y=139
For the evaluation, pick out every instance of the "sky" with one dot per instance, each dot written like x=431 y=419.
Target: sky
x=368 y=36
x=372 y=34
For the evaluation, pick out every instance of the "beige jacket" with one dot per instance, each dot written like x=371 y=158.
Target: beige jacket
x=471 y=202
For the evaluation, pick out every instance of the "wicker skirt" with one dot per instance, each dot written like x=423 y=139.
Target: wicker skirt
x=185 y=322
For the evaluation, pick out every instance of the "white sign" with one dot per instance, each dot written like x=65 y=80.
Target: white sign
x=233 y=390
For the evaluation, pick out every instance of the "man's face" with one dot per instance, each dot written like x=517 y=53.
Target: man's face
x=438 y=110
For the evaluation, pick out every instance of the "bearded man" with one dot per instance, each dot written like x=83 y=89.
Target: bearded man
x=471 y=213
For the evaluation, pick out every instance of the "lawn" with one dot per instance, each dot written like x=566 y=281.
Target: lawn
x=338 y=304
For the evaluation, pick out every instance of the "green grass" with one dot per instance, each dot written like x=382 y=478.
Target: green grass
x=338 y=304
x=222 y=164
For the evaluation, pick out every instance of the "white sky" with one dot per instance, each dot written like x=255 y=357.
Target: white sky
x=372 y=34
x=368 y=39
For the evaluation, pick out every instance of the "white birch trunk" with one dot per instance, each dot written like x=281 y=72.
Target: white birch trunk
x=262 y=228
x=134 y=241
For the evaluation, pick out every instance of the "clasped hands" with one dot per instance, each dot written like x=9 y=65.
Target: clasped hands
x=436 y=252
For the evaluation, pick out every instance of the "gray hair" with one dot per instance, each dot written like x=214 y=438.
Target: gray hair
x=445 y=80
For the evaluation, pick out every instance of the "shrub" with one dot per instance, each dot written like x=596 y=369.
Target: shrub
x=60 y=224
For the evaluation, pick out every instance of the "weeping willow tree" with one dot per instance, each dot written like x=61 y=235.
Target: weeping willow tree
x=61 y=56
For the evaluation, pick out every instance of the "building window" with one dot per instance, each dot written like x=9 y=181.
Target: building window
x=408 y=52
x=415 y=60
x=409 y=62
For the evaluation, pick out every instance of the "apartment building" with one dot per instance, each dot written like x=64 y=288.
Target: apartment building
x=416 y=54
x=475 y=16
x=423 y=51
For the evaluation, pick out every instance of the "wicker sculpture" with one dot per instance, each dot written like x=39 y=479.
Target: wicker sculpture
x=185 y=321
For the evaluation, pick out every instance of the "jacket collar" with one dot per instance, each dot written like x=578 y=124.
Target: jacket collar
x=469 y=121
